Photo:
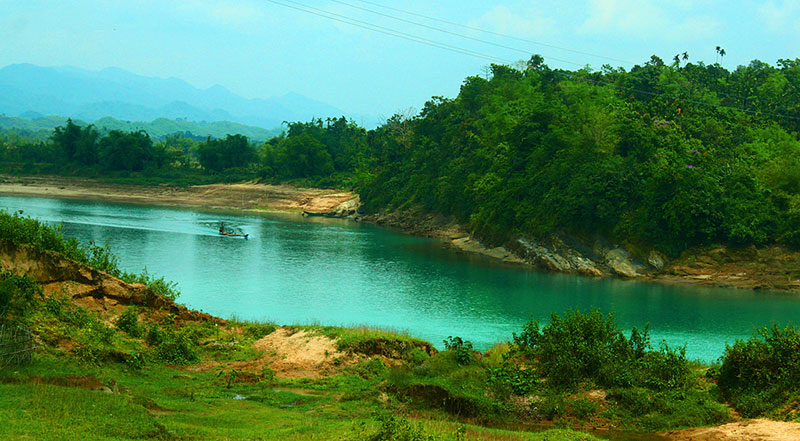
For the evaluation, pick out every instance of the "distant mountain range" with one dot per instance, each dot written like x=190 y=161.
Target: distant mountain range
x=29 y=91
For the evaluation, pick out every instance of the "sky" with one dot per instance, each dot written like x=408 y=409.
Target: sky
x=342 y=53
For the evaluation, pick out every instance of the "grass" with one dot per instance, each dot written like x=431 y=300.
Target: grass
x=366 y=339
x=170 y=403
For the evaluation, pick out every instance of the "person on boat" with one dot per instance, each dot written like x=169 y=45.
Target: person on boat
x=221 y=228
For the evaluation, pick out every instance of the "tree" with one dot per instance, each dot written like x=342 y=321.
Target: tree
x=126 y=151
x=217 y=155
x=77 y=144
x=303 y=156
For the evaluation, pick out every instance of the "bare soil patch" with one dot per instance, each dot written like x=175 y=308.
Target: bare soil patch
x=303 y=355
x=243 y=196
x=748 y=430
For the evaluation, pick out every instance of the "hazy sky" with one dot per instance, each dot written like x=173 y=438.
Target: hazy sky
x=259 y=48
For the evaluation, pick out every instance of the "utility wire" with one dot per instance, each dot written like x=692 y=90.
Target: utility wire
x=385 y=30
x=498 y=34
x=389 y=31
x=527 y=52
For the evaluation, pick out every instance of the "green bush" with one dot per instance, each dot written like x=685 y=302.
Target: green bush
x=25 y=230
x=17 y=293
x=462 y=349
x=172 y=346
x=159 y=286
x=761 y=374
x=589 y=347
x=128 y=322
x=510 y=378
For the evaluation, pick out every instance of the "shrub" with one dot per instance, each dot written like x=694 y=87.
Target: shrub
x=173 y=347
x=16 y=294
x=128 y=322
x=510 y=378
x=590 y=347
x=763 y=372
x=159 y=286
x=462 y=349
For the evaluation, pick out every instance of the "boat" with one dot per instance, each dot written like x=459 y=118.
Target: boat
x=222 y=232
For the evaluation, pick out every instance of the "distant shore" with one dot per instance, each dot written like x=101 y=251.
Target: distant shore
x=242 y=196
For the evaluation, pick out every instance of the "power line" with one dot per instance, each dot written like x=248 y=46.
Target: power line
x=498 y=34
x=450 y=32
x=392 y=32
x=385 y=30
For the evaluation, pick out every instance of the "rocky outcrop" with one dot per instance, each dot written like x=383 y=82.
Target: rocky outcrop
x=347 y=208
x=85 y=285
x=556 y=255
x=572 y=256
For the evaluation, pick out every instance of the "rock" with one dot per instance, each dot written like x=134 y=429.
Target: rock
x=347 y=208
x=558 y=257
x=656 y=260
x=621 y=263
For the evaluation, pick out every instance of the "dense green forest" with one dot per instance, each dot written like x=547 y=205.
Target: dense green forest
x=665 y=155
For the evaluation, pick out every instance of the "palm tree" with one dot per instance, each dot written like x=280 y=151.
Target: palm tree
x=720 y=53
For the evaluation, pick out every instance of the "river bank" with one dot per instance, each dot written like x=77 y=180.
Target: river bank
x=772 y=268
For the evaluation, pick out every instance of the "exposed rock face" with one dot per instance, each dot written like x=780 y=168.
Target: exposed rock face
x=555 y=254
x=622 y=263
x=341 y=209
x=558 y=256
x=89 y=287
x=657 y=260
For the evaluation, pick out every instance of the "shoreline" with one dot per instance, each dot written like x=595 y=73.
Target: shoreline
x=770 y=268
x=252 y=197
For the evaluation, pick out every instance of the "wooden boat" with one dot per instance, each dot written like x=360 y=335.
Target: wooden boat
x=229 y=234
x=222 y=232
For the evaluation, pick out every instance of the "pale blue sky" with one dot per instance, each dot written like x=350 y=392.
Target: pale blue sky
x=258 y=48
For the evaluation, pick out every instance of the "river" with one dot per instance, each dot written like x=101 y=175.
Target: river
x=295 y=270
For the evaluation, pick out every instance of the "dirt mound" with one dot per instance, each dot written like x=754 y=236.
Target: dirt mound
x=749 y=430
x=299 y=354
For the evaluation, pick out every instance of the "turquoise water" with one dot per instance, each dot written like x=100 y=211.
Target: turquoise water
x=294 y=270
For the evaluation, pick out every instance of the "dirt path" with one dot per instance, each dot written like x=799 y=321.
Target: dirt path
x=247 y=196
x=748 y=430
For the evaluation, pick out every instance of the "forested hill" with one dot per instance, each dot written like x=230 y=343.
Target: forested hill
x=665 y=155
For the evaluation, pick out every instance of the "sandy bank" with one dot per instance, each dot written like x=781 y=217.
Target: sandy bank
x=246 y=196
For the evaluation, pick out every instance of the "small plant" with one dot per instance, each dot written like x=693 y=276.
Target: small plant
x=267 y=375
x=16 y=294
x=173 y=347
x=461 y=348
x=128 y=322
x=135 y=360
x=230 y=377
x=584 y=408
x=511 y=378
